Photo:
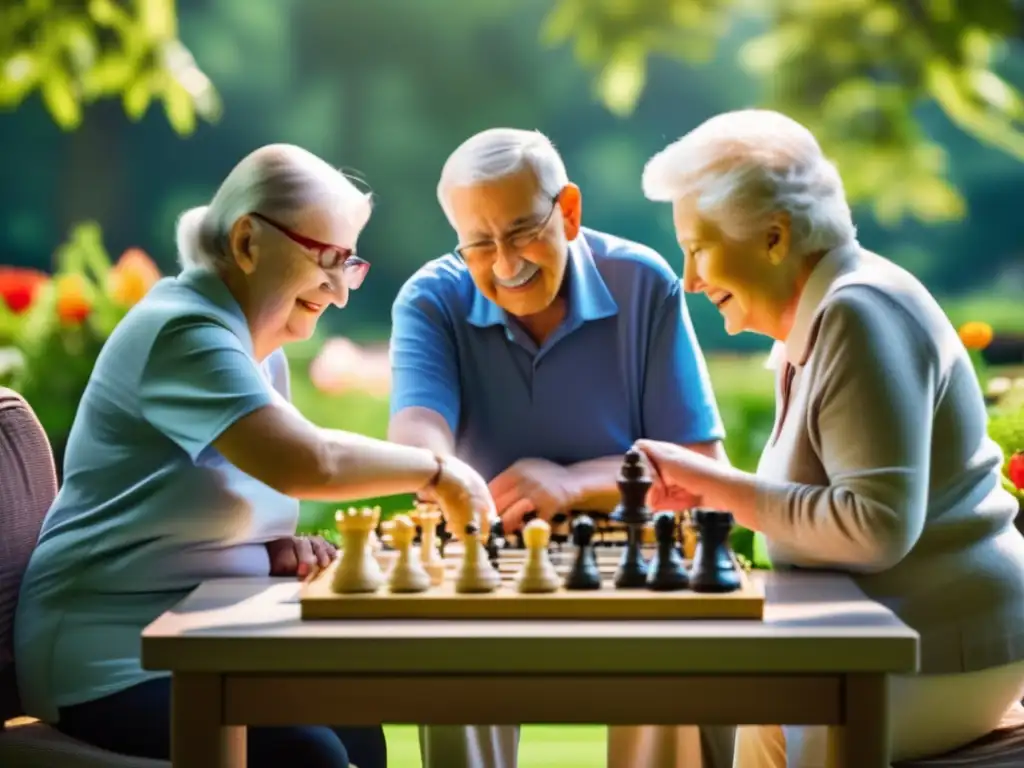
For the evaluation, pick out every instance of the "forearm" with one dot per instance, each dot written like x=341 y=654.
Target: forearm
x=355 y=466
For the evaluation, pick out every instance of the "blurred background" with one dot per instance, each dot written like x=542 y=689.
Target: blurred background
x=117 y=115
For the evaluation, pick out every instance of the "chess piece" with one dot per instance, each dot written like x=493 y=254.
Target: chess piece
x=475 y=573
x=537 y=574
x=632 y=512
x=714 y=568
x=495 y=541
x=667 y=572
x=357 y=570
x=408 y=574
x=559 y=529
x=584 y=573
x=427 y=517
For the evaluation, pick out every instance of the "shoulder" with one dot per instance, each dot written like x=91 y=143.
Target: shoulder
x=876 y=320
x=441 y=284
x=632 y=268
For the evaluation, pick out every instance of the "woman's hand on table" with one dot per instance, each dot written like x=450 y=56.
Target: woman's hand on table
x=464 y=497
x=300 y=556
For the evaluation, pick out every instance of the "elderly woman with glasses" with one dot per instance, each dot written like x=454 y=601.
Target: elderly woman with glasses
x=879 y=463
x=187 y=461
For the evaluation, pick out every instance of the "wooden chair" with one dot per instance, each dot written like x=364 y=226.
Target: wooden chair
x=28 y=485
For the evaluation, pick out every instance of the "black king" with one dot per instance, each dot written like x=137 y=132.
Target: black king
x=633 y=513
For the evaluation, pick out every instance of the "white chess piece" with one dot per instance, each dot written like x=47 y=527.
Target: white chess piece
x=427 y=517
x=357 y=570
x=408 y=574
x=537 y=573
x=476 y=573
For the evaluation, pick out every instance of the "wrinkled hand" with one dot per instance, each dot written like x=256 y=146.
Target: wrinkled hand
x=300 y=556
x=463 y=497
x=531 y=485
x=676 y=472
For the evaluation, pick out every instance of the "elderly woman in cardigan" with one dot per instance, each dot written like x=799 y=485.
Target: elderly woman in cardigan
x=187 y=462
x=879 y=463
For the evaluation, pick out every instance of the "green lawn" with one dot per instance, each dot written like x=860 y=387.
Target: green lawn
x=541 y=746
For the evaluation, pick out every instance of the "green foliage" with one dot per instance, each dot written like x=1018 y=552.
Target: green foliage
x=75 y=52
x=855 y=72
x=1006 y=427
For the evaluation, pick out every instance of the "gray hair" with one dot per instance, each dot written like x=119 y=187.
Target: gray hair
x=277 y=180
x=498 y=153
x=746 y=165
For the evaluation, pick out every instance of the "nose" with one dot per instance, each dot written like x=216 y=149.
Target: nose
x=506 y=263
x=691 y=280
x=337 y=288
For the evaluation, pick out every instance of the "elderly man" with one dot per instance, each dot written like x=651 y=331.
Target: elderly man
x=538 y=352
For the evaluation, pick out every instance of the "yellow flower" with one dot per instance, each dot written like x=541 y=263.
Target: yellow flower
x=132 y=277
x=73 y=301
x=976 y=334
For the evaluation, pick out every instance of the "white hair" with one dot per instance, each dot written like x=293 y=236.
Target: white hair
x=746 y=165
x=277 y=180
x=498 y=153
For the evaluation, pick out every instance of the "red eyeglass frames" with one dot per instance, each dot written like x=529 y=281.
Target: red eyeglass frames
x=327 y=256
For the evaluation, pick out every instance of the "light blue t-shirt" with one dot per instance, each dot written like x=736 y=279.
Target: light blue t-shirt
x=148 y=508
x=624 y=364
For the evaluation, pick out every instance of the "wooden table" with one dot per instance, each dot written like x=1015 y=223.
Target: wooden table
x=241 y=656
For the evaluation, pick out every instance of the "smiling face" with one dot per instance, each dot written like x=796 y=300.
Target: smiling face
x=285 y=287
x=514 y=239
x=751 y=281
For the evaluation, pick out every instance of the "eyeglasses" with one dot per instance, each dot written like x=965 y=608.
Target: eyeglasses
x=327 y=256
x=517 y=240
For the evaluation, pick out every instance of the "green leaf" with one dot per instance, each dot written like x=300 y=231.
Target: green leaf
x=179 y=108
x=137 y=97
x=621 y=81
x=60 y=101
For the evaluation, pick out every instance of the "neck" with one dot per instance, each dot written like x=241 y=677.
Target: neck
x=787 y=317
x=544 y=323
x=262 y=345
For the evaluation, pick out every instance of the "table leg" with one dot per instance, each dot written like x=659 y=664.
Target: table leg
x=199 y=738
x=864 y=739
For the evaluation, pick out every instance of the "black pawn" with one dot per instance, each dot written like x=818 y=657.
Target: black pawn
x=584 y=573
x=714 y=567
x=495 y=541
x=666 y=572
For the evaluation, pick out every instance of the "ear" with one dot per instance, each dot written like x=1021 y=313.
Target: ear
x=243 y=250
x=778 y=238
x=571 y=203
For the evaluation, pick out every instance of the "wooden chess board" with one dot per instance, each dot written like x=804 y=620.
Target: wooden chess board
x=319 y=602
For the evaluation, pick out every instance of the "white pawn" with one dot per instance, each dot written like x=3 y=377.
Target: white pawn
x=408 y=574
x=427 y=516
x=357 y=569
x=476 y=573
x=537 y=574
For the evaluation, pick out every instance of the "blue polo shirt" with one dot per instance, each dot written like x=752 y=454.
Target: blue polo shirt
x=624 y=364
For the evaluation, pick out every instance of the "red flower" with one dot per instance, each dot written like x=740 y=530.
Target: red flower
x=1015 y=470
x=18 y=286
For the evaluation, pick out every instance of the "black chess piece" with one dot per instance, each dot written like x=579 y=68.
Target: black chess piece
x=667 y=572
x=714 y=567
x=442 y=536
x=495 y=541
x=584 y=573
x=520 y=542
x=632 y=512
x=558 y=539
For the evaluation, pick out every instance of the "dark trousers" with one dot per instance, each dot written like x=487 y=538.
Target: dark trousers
x=137 y=722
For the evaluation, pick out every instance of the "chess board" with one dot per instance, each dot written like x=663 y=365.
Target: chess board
x=319 y=602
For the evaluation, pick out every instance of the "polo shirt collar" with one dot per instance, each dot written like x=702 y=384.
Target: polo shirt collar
x=826 y=273
x=210 y=285
x=589 y=297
